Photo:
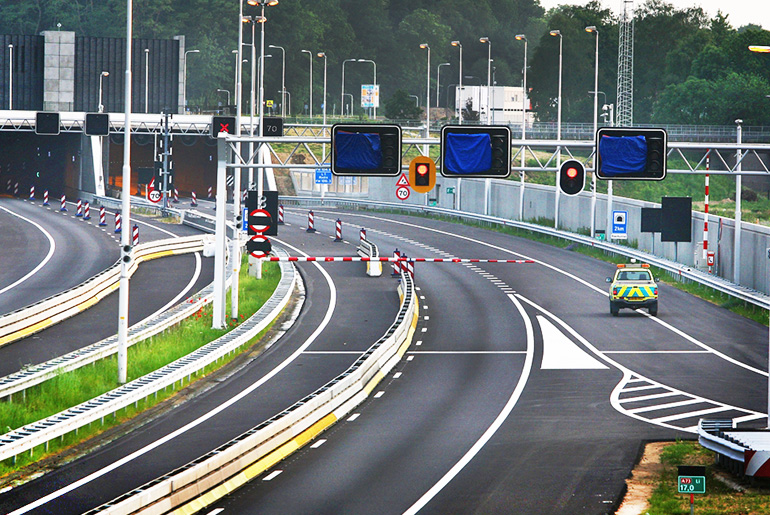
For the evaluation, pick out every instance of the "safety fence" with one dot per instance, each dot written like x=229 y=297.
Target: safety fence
x=198 y=484
x=41 y=432
x=43 y=314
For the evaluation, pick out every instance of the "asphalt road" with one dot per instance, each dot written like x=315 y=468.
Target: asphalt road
x=520 y=394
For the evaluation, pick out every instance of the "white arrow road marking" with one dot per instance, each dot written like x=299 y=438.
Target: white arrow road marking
x=561 y=353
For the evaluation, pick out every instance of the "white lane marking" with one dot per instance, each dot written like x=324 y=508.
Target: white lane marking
x=575 y=278
x=379 y=394
x=318 y=443
x=561 y=353
x=46 y=259
x=203 y=418
x=410 y=358
x=467 y=352
x=657 y=352
x=272 y=475
x=354 y=416
x=397 y=375
x=491 y=430
x=216 y=511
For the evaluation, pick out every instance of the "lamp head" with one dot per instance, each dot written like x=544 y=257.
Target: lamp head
x=592 y=28
x=424 y=45
x=322 y=54
x=555 y=33
x=483 y=40
x=456 y=43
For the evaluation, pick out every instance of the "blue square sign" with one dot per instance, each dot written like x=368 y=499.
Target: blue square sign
x=619 y=225
x=323 y=176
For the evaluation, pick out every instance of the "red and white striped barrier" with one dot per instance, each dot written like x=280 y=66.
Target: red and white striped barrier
x=194 y=201
x=706 y=211
x=244 y=195
x=16 y=189
x=32 y=193
x=102 y=216
x=176 y=196
x=280 y=214
x=310 y=222
x=118 y=222
x=80 y=208
x=135 y=235
x=63 y=203
x=211 y=191
x=401 y=259
x=338 y=230
x=396 y=263
x=45 y=198
x=87 y=213
x=362 y=234
x=410 y=268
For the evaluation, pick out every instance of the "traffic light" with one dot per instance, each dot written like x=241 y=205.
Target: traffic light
x=268 y=203
x=572 y=177
x=368 y=149
x=422 y=174
x=475 y=151
x=222 y=124
x=631 y=154
x=97 y=124
x=47 y=123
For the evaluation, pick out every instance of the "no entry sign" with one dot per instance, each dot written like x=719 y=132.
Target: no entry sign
x=259 y=220
x=259 y=246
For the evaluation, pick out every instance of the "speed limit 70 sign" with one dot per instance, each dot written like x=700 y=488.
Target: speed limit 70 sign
x=402 y=192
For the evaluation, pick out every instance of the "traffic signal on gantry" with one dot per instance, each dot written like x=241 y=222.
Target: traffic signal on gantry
x=572 y=177
x=631 y=154
x=422 y=174
x=222 y=124
x=366 y=149
x=475 y=151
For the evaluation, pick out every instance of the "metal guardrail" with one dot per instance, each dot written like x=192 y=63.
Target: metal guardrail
x=31 y=319
x=37 y=433
x=201 y=482
x=677 y=269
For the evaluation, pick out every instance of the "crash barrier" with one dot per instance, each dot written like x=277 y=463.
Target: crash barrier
x=41 y=432
x=198 y=484
x=677 y=270
x=368 y=249
x=741 y=451
x=47 y=312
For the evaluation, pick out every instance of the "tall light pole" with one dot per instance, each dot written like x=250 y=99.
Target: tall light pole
x=342 y=96
x=375 y=80
x=310 y=80
x=10 y=77
x=283 y=78
x=101 y=77
x=225 y=91
x=738 y=209
x=184 y=79
x=591 y=29
x=438 y=81
x=427 y=98
x=323 y=123
x=558 y=130
x=522 y=37
x=489 y=76
x=460 y=86
x=146 y=79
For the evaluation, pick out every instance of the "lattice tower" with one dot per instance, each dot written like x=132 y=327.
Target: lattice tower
x=624 y=116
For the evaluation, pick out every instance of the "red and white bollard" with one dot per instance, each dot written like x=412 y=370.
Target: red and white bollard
x=118 y=222
x=244 y=195
x=211 y=192
x=63 y=203
x=310 y=222
x=362 y=234
x=32 y=192
x=45 y=198
x=176 y=196
x=16 y=189
x=80 y=208
x=102 y=216
x=338 y=230
x=410 y=268
x=135 y=235
x=87 y=214
x=194 y=201
x=280 y=214
x=396 y=264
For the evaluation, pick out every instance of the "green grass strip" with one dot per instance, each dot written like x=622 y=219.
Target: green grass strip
x=73 y=388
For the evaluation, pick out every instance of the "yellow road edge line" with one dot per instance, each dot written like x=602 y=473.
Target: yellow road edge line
x=257 y=468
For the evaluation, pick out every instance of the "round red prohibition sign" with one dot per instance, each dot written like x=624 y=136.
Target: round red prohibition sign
x=259 y=246
x=402 y=192
x=259 y=220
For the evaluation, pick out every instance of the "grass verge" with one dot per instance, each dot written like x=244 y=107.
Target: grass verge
x=78 y=386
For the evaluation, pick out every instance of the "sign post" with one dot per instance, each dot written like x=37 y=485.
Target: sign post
x=691 y=480
x=619 y=225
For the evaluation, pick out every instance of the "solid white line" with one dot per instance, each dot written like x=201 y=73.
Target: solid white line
x=46 y=259
x=215 y=411
x=649 y=397
x=491 y=430
x=468 y=352
x=657 y=352
x=690 y=414
x=656 y=407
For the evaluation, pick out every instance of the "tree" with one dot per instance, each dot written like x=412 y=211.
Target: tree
x=400 y=107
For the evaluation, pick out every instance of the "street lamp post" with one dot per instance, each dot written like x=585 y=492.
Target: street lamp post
x=593 y=30
x=558 y=130
x=375 y=81
x=342 y=112
x=522 y=37
x=225 y=91
x=310 y=80
x=427 y=102
x=489 y=76
x=10 y=77
x=342 y=96
x=146 y=79
x=283 y=78
x=101 y=77
x=438 y=81
x=184 y=79
x=323 y=148
x=460 y=86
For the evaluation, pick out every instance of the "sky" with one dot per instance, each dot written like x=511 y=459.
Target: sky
x=741 y=12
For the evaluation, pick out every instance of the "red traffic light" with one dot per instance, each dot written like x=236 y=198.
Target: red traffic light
x=572 y=172
x=422 y=168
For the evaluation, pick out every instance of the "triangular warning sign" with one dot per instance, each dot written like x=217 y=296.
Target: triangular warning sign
x=403 y=180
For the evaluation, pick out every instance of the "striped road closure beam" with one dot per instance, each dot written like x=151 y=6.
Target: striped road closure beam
x=338 y=259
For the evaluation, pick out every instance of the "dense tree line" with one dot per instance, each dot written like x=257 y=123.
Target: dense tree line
x=687 y=68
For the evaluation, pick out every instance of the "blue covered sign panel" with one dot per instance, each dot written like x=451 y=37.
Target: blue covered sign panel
x=475 y=151
x=366 y=149
x=631 y=153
